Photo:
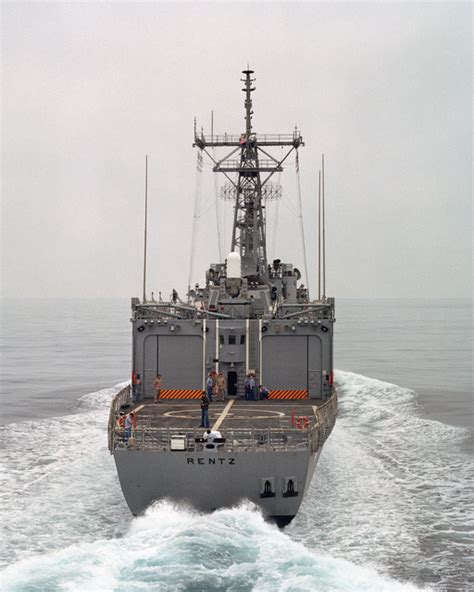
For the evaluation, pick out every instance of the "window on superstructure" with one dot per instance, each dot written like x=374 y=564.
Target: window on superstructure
x=231 y=339
x=242 y=339
x=221 y=339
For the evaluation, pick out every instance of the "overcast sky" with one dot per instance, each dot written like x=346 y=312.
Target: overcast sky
x=383 y=89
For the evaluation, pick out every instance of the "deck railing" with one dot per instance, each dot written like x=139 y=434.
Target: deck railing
x=325 y=419
x=146 y=436
x=251 y=440
x=121 y=400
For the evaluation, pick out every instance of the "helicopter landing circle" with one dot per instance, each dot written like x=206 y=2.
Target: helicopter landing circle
x=265 y=414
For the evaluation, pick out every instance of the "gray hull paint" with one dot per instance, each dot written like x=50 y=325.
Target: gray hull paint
x=251 y=322
x=207 y=481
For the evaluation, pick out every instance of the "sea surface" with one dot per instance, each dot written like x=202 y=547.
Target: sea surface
x=390 y=507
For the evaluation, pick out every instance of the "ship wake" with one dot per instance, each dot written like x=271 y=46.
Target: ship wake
x=394 y=487
x=390 y=503
x=172 y=548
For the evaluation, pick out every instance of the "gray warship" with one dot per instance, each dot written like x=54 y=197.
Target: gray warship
x=250 y=316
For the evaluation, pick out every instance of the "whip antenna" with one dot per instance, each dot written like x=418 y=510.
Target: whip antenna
x=145 y=229
x=319 y=237
x=197 y=213
x=324 y=233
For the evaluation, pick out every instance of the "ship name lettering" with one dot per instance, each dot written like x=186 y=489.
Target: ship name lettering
x=210 y=461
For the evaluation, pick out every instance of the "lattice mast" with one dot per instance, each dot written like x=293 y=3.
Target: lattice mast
x=250 y=191
x=248 y=232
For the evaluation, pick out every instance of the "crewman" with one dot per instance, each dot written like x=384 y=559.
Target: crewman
x=252 y=387
x=210 y=438
x=220 y=382
x=136 y=387
x=128 y=427
x=204 y=410
x=209 y=386
x=210 y=435
x=121 y=421
x=247 y=386
x=157 y=383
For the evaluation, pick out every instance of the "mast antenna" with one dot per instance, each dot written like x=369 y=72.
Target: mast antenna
x=324 y=233
x=197 y=213
x=145 y=229
x=319 y=237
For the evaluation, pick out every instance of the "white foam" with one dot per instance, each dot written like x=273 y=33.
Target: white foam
x=384 y=480
x=58 y=483
x=100 y=399
x=173 y=549
x=391 y=495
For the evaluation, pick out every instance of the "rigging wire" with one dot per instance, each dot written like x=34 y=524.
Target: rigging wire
x=197 y=204
x=290 y=207
x=301 y=217
x=216 y=196
x=275 y=224
x=225 y=226
x=218 y=217
x=205 y=208
x=224 y=238
x=277 y=209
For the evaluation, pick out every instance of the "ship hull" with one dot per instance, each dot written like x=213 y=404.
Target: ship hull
x=208 y=481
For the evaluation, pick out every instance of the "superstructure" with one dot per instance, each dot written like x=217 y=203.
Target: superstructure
x=251 y=316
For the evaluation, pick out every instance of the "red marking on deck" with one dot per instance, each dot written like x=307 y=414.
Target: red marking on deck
x=288 y=394
x=180 y=393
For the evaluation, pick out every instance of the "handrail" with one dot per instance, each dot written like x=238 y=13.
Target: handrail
x=147 y=437
x=237 y=164
x=123 y=397
x=232 y=138
x=162 y=439
x=326 y=418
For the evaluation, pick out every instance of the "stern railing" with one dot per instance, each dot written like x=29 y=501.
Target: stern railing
x=121 y=400
x=146 y=436
x=325 y=419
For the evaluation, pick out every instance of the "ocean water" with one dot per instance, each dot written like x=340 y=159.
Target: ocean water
x=390 y=507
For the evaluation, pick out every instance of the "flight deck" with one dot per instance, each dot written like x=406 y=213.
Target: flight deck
x=228 y=415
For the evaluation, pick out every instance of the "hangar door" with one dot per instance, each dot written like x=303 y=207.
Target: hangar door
x=314 y=367
x=284 y=362
x=150 y=364
x=178 y=359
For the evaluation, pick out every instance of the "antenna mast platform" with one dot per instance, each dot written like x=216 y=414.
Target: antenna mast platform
x=250 y=160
